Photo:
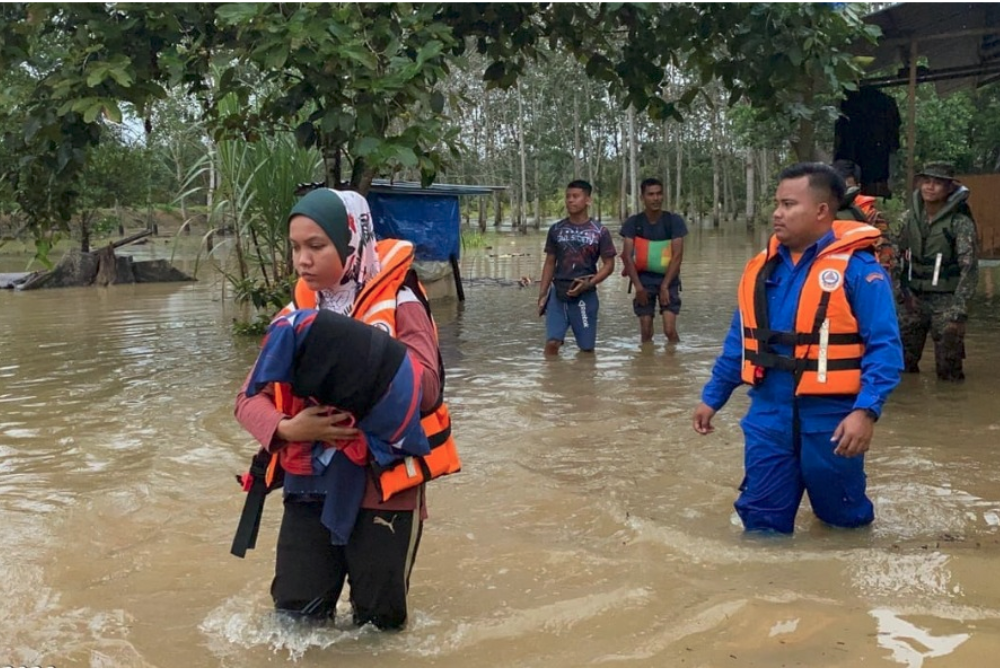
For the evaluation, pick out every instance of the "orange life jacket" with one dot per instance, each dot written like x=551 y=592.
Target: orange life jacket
x=827 y=344
x=652 y=255
x=866 y=203
x=376 y=306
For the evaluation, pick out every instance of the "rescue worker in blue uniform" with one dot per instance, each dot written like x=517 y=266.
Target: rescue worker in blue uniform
x=816 y=337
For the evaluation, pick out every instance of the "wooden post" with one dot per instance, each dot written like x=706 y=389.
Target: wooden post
x=459 y=290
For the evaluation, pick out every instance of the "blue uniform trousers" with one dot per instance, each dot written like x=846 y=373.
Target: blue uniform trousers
x=778 y=471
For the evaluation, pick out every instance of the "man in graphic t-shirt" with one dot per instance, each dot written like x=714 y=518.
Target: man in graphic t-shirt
x=567 y=295
x=652 y=250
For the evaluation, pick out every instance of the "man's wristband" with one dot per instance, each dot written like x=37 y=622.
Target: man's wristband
x=871 y=414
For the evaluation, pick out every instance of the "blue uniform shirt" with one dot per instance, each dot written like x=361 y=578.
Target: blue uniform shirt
x=870 y=296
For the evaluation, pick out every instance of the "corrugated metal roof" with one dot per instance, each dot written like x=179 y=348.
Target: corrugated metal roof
x=414 y=188
x=960 y=40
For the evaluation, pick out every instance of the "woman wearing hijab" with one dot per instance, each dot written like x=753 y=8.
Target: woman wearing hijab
x=343 y=270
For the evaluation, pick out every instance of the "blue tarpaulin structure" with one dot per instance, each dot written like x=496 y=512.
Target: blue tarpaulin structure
x=429 y=221
x=429 y=217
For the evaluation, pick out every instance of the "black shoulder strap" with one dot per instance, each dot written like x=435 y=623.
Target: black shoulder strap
x=760 y=304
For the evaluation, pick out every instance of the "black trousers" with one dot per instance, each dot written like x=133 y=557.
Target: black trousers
x=309 y=572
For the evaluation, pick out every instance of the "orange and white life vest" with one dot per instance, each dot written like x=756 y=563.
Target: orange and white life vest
x=827 y=346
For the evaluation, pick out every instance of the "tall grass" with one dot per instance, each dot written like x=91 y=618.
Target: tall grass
x=255 y=191
x=475 y=239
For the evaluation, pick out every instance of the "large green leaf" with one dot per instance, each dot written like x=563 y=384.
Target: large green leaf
x=367 y=146
x=405 y=156
x=236 y=13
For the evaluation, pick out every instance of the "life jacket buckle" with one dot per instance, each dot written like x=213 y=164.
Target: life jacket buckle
x=758 y=374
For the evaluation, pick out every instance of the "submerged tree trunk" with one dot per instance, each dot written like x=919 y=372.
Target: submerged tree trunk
x=716 y=167
x=765 y=173
x=538 y=199
x=665 y=177
x=623 y=182
x=522 y=201
x=576 y=135
x=633 y=161
x=178 y=153
x=729 y=209
x=679 y=172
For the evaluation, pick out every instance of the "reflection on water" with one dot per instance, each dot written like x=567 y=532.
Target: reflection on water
x=899 y=636
x=590 y=525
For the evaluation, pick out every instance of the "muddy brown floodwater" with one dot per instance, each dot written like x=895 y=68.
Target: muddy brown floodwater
x=590 y=525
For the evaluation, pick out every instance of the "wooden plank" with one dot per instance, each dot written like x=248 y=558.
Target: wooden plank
x=984 y=199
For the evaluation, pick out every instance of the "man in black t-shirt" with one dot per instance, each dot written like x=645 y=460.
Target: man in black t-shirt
x=652 y=251
x=567 y=294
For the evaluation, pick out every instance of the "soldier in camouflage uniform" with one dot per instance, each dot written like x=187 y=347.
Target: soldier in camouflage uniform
x=938 y=270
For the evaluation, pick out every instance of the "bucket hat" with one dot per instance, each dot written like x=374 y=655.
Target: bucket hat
x=938 y=170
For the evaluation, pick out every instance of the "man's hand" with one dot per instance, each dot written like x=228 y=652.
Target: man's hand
x=641 y=297
x=664 y=297
x=543 y=300
x=316 y=424
x=854 y=434
x=703 y=419
x=579 y=285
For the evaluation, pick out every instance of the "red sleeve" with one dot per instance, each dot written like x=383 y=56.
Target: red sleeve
x=415 y=329
x=259 y=416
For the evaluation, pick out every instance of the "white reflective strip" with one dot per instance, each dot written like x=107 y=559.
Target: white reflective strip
x=824 y=346
x=405 y=295
x=937 y=269
x=378 y=307
x=861 y=229
x=411 y=469
x=743 y=342
x=840 y=257
x=415 y=525
x=400 y=247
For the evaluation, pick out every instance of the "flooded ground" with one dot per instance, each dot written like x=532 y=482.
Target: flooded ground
x=590 y=526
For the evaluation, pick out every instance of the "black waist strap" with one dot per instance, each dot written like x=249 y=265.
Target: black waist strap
x=773 y=337
x=439 y=438
x=789 y=364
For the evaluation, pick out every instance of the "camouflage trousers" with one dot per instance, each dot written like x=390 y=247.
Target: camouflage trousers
x=928 y=315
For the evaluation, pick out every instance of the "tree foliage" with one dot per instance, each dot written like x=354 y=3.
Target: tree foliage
x=365 y=82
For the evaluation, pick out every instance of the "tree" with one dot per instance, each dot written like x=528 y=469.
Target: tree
x=78 y=66
x=110 y=175
x=363 y=82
